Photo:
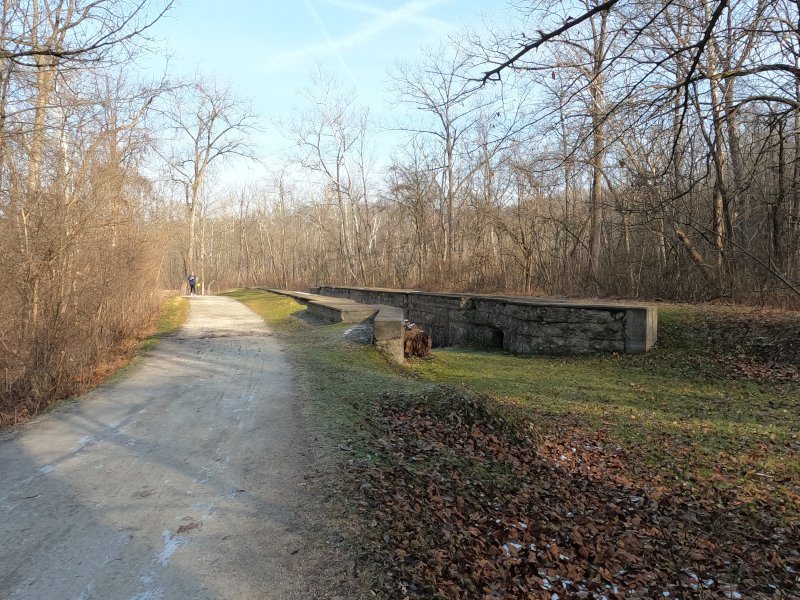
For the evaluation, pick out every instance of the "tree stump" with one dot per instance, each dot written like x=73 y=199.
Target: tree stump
x=416 y=342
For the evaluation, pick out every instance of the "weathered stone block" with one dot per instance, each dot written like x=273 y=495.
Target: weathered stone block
x=486 y=336
x=343 y=311
x=388 y=323
x=641 y=329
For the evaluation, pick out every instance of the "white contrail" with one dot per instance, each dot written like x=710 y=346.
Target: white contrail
x=355 y=6
x=331 y=44
x=412 y=11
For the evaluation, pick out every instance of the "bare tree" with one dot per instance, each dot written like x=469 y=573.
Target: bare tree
x=72 y=194
x=330 y=134
x=633 y=148
x=78 y=31
x=210 y=126
x=441 y=90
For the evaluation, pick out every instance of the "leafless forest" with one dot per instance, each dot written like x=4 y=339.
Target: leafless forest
x=625 y=148
x=647 y=151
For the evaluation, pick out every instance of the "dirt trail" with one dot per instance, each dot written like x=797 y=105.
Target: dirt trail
x=181 y=481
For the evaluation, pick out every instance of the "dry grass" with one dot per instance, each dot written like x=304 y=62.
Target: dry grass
x=85 y=363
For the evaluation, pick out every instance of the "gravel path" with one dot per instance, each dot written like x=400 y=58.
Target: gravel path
x=183 y=480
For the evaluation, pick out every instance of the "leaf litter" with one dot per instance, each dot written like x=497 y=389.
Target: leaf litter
x=465 y=501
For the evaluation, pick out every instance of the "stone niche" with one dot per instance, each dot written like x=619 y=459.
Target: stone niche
x=521 y=325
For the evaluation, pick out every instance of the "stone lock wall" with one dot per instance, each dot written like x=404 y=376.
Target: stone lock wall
x=521 y=325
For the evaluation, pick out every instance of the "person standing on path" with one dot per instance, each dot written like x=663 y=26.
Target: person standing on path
x=192 y=284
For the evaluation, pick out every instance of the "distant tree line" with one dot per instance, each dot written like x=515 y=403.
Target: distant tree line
x=636 y=149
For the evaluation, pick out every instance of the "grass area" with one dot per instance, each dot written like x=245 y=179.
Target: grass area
x=679 y=413
x=677 y=409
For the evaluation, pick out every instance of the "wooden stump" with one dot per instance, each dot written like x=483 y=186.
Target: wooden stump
x=416 y=343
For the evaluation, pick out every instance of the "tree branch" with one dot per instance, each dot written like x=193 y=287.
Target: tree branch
x=494 y=74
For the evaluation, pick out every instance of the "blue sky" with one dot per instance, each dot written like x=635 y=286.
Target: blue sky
x=266 y=49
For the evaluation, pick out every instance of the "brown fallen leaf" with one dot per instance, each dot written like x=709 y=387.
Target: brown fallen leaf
x=189 y=526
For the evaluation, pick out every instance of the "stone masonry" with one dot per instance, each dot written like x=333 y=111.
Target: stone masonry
x=520 y=325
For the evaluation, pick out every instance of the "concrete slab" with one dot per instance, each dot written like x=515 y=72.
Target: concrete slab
x=387 y=321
